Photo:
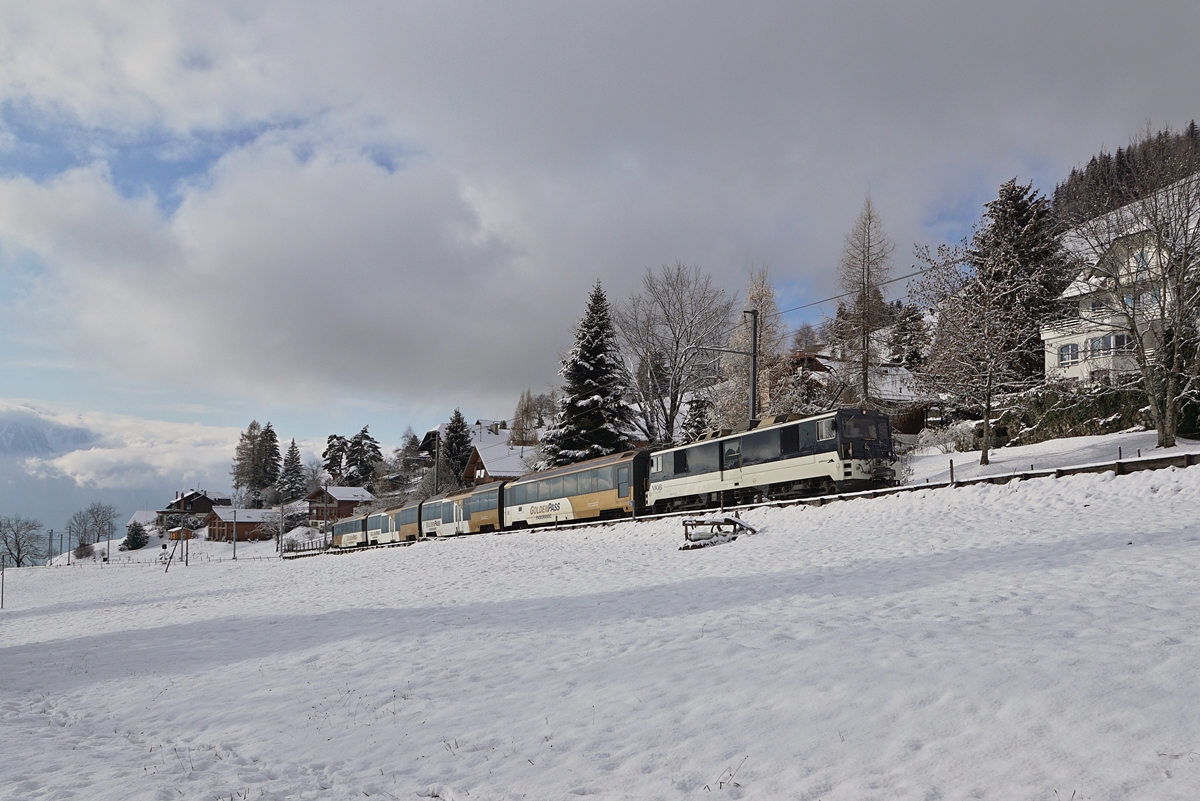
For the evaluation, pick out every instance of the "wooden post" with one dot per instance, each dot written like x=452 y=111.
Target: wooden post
x=951 y=471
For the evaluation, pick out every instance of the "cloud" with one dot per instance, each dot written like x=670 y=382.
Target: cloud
x=107 y=451
x=404 y=205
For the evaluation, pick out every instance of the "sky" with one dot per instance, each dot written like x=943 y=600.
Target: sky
x=337 y=215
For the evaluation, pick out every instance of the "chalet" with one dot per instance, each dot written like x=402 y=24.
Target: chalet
x=331 y=503
x=225 y=522
x=193 y=502
x=494 y=457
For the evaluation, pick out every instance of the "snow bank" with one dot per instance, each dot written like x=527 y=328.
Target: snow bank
x=995 y=642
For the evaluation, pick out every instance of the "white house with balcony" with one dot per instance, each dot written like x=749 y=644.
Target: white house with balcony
x=1116 y=296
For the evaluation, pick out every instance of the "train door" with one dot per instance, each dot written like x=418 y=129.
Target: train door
x=731 y=461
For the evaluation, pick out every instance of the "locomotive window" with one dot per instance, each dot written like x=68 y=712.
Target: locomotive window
x=731 y=454
x=760 y=447
x=860 y=428
x=704 y=458
x=824 y=429
x=789 y=440
x=604 y=479
x=681 y=463
x=570 y=485
x=656 y=463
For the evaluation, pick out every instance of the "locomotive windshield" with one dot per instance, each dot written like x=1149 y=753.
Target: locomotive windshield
x=866 y=434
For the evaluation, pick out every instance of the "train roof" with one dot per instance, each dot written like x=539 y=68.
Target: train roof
x=599 y=461
x=778 y=421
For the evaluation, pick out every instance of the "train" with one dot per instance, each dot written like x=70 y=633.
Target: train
x=778 y=458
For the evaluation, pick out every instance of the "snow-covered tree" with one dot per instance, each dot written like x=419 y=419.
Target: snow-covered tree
x=362 y=455
x=334 y=457
x=1017 y=252
x=291 y=482
x=909 y=339
x=1147 y=253
x=135 y=536
x=697 y=420
x=664 y=331
x=594 y=417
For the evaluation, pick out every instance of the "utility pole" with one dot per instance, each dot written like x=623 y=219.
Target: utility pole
x=752 y=353
x=437 y=440
x=49 y=547
x=235 y=533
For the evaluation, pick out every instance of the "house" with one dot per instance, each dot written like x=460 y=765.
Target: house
x=193 y=502
x=1095 y=344
x=225 y=522
x=146 y=517
x=331 y=503
x=494 y=457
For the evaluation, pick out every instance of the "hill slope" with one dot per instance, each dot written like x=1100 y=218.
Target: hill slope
x=997 y=642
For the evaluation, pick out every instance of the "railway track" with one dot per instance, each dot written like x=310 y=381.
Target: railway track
x=1119 y=467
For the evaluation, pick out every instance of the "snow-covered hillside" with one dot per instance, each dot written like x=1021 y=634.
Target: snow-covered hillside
x=995 y=642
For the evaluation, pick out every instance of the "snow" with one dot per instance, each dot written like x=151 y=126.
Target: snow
x=1026 y=641
x=933 y=466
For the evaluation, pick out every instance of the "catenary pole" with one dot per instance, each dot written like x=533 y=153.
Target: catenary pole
x=235 y=533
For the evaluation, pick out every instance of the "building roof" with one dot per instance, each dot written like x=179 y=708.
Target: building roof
x=342 y=494
x=490 y=439
x=146 y=517
x=227 y=514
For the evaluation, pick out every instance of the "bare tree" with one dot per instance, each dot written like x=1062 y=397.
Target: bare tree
x=664 y=330
x=21 y=540
x=971 y=358
x=1144 y=257
x=864 y=267
x=102 y=521
x=733 y=395
x=524 y=424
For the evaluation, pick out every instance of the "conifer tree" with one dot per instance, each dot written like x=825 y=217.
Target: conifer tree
x=362 y=455
x=910 y=337
x=291 y=477
x=245 y=472
x=594 y=417
x=1018 y=254
x=456 y=448
x=334 y=457
x=267 y=458
x=135 y=536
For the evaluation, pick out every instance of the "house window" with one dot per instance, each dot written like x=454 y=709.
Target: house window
x=1068 y=355
x=1142 y=260
x=1122 y=342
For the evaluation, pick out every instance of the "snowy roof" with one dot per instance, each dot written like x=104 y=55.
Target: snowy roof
x=144 y=516
x=344 y=494
x=228 y=513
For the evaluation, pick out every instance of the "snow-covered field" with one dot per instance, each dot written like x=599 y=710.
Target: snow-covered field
x=1036 y=640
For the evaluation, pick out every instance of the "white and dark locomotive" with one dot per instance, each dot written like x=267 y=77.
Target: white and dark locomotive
x=774 y=459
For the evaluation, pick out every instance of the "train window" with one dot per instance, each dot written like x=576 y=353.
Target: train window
x=731 y=454
x=789 y=440
x=623 y=481
x=761 y=447
x=514 y=495
x=656 y=463
x=570 y=485
x=808 y=441
x=447 y=512
x=488 y=500
x=556 y=487
x=587 y=482
x=431 y=511
x=543 y=490
x=680 y=462
x=604 y=479
x=704 y=458
x=824 y=429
